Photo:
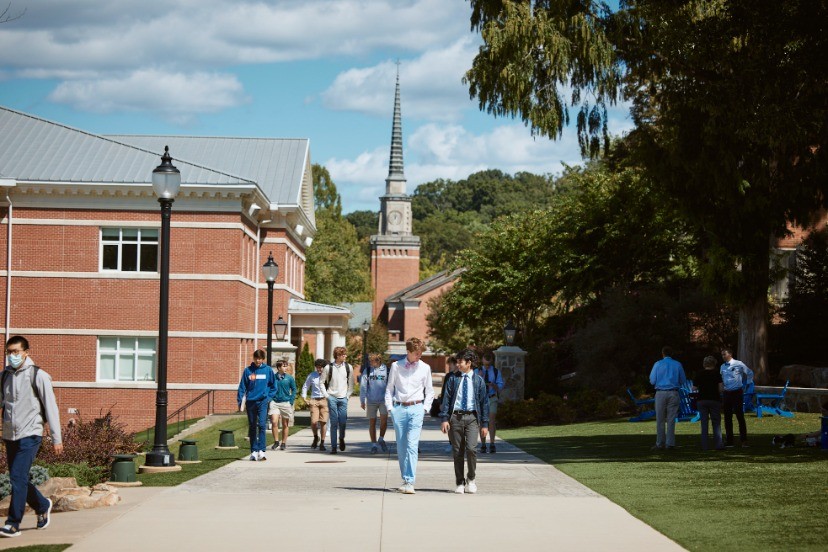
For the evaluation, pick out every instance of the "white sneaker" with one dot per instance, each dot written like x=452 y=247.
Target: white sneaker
x=408 y=488
x=460 y=489
x=472 y=486
x=401 y=488
x=262 y=455
x=254 y=456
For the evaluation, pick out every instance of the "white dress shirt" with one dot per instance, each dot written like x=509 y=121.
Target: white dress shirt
x=409 y=384
x=314 y=382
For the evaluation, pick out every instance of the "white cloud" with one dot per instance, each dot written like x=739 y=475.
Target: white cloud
x=176 y=95
x=130 y=34
x=452 y=152
x=431 y=85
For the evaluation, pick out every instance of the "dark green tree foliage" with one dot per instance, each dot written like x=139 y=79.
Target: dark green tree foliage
x=730 y=105
x=304 y=366
x=365 y=222
x=803 y=336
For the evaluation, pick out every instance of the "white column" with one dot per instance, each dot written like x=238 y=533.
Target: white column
x=320 y=344
x=337 y=339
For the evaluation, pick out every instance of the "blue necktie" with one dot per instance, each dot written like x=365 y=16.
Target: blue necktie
x=464 y=395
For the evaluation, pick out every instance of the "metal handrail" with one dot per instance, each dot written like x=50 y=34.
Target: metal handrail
x=211 y=405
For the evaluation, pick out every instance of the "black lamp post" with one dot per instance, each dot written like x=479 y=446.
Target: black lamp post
x=509 y=332
x=365 y=327
x=271 y=271
x=165 y=183
x=280 y=327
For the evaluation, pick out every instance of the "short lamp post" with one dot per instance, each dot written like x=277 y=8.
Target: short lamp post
x=365 y=327
x=280 y=328
x=166 y=179
x=270 y=270
x=509 y=332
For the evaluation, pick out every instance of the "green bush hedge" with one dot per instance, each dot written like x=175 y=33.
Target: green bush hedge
x=546 y=409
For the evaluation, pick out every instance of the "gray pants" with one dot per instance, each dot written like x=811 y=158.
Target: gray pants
x=667 y=408
x=713 y=411
x=463 y=430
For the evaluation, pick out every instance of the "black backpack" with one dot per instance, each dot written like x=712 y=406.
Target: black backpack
x=329 y=372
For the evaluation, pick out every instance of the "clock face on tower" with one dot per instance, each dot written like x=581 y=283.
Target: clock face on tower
x=394 y=218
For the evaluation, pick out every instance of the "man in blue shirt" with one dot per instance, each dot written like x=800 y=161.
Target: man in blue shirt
x=735 y=376
x=667 y=376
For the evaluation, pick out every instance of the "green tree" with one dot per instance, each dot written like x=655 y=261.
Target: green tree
x=728 y=100
x=325 y=194
x=305 y=365
x=336 y=270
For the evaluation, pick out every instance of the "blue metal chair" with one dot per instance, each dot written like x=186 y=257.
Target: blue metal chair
x=687 y=406
x=642 y=404
x=773 y=403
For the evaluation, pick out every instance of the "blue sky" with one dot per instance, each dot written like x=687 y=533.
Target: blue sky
x=318 y=69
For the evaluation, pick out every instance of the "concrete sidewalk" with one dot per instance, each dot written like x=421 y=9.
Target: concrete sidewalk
x=300 y=498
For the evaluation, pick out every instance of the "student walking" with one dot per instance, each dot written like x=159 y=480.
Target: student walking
x=257 y=388
x=372 y=386
x=494 y=385
x=339 y=385
x=280 y=409
x=317 y=404
x=465 y=412
x=408 y=397
x=28 y=402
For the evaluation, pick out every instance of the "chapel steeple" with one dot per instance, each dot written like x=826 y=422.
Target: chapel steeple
x=395 y=183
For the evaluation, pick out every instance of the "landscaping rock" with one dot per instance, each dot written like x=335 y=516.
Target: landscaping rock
x=804 y=376
x=66 y=496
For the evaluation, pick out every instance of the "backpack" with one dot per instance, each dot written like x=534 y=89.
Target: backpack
x=485 y=374
x=35 y=370
x=329 y=371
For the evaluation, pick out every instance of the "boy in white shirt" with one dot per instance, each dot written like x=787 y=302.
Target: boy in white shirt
x=318 y=403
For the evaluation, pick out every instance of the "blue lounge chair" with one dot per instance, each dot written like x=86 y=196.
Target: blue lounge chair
x=644 y=413
x=687 y=410
x=773 y=403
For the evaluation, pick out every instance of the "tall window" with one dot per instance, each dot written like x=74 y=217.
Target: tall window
x=126 y=359
x=129 y=249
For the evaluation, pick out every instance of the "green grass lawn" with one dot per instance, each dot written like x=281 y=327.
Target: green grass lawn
x=758 y=498
x=148 y=435
x=211 y=458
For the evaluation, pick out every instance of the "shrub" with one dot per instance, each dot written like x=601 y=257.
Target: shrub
x=92 y=443
x=84 y=474
x=37 y=474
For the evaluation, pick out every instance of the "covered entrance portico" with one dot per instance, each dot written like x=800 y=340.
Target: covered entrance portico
x=323 y=327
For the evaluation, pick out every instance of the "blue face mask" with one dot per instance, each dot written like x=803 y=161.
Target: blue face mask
x=16 y=360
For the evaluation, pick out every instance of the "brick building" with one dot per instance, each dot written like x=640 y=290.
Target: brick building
x=79 y=244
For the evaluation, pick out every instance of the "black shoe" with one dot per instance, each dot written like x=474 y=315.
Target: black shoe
x=322 y=446
x=492 y=449
x=342 y=444
x=315 y=442
x=333 y=450
x=9 y=531
x=483 y=448
x=44 y=518
x=275 y=446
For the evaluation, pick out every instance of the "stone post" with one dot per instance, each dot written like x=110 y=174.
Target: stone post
x=510 y=362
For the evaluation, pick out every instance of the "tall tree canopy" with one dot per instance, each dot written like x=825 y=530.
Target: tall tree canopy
x=730 y=102
x=337 y=268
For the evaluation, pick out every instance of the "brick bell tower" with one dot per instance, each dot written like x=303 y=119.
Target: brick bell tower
x=395 y=252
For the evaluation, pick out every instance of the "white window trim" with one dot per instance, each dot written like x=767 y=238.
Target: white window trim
x=118 y=351
x=120 y=244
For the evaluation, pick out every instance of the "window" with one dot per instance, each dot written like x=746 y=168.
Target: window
x=126 y=359
x=129 y=249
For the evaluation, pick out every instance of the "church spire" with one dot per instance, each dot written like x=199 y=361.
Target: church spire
x=395 y=183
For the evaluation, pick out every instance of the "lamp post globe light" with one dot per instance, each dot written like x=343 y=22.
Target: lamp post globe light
x=280 y=327
x=166 y=179
x=365 y=327
x=270 y=270
x=509 y=332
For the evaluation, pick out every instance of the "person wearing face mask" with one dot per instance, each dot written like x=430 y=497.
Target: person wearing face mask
x=28 y=401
